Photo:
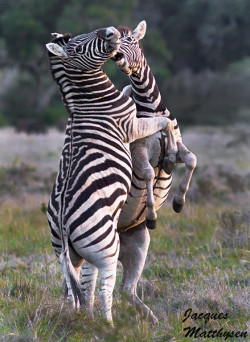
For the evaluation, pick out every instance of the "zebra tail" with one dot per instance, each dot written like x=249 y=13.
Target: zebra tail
x=71 y=280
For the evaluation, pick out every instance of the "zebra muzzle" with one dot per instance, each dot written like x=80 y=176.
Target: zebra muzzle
x=122 y=63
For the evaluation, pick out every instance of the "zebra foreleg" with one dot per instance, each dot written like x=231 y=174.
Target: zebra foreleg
x=133 y=253
x=141 y=163
x=190 y=160
x=89 y=275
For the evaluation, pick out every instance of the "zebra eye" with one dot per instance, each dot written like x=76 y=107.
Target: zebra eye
x=80 y=49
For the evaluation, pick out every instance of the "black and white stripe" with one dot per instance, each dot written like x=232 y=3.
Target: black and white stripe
x=95 y=169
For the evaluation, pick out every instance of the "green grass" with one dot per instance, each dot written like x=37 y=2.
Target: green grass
x=197 y=259
x=23 y=232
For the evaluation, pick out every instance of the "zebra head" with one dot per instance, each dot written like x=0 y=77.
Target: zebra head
x=130 y=56
x=86 y=51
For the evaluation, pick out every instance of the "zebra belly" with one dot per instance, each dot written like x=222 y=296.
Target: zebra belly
x=134 y=210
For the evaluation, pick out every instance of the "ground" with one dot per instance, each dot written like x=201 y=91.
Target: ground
x=197 y=259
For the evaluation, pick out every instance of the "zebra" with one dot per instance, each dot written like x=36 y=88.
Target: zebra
x=134 y=220
x=95 y=167
x=145 y=92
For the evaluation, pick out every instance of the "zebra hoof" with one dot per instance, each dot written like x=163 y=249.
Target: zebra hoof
x=151 y=224
x=168 y=166
x=177 y=206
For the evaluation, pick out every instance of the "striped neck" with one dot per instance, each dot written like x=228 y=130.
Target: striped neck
x=146 y=93
x=84 y=91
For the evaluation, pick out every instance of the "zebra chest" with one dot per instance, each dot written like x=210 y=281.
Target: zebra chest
x=93 y=169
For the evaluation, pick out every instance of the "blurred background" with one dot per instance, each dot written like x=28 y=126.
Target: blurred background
x=198 y=50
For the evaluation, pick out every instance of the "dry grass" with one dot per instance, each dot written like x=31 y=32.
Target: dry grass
x=197 y=259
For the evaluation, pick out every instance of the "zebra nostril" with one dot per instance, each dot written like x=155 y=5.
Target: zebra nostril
x=110 y=35
x=106 y=34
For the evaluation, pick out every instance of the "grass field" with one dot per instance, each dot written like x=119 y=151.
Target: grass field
x=198 y=259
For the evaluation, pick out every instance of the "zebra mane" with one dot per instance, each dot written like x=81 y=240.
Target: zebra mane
x=56 y=63
x=124 y=30
x=61 y=39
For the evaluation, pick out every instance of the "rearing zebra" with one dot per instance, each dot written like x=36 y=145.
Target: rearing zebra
x=147 y=97
x=95 y=168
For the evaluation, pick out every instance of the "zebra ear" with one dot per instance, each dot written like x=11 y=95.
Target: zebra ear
x=140 y=30
x=56 y=49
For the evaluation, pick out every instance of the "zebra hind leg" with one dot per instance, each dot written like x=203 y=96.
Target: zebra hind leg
x=190 y=163
x=142 y=165
x=89 y=276
x=151 y=216
x=108 y=277
x=133 y=253
x=171 y=149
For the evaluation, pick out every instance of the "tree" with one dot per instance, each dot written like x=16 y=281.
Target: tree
x=25 y=26
x=205 y=33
